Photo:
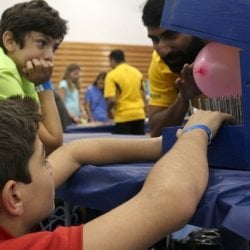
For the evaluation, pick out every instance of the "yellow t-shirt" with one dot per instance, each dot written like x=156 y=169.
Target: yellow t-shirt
x=161 y=83
x=125 y=83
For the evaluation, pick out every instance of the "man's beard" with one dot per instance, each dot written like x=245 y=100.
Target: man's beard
x=176 y=60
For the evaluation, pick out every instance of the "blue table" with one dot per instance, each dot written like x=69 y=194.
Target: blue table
x=226 y=202
x=67 y=137
x=90 y=128
x=96 y=127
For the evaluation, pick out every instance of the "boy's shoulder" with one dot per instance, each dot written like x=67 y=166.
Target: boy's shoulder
x=5 y=61
x=8 y=69
x=11 y=82
x=61 y=238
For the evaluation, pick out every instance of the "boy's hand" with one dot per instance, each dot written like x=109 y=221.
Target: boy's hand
x=38 y=70
x=212 y=119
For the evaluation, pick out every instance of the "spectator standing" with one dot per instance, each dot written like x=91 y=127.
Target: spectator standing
x=69 y=88
x=125 y=95
x=95 y=103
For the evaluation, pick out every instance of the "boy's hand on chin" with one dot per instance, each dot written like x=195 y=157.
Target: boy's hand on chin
x=38 y=70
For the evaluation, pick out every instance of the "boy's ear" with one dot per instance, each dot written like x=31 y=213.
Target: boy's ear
x=12 y=199
x=9 y=41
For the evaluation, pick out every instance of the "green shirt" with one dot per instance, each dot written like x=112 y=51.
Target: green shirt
x=11 y=82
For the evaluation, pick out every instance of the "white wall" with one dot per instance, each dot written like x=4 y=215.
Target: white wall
x=100 y=21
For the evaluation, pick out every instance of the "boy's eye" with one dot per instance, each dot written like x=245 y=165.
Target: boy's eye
x=41 y=43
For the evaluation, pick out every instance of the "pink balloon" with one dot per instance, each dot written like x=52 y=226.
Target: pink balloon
x=217 y=70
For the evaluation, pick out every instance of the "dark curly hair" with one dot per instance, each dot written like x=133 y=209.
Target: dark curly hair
x=35 y=15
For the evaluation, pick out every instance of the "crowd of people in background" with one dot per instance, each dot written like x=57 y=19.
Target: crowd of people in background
x=117 y=96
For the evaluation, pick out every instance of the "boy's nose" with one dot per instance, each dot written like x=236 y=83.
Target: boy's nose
x=49 y=55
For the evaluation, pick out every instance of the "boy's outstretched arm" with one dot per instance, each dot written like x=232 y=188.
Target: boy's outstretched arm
x=68 y=158
x=171 y=191
x=168 y=198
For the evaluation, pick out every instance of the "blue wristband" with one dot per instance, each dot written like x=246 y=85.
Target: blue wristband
x=44 y=86
x=200 y=126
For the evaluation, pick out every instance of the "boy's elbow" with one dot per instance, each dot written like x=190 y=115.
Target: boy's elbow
x=53 y=144
x=186 y=205
x=57 y=143
x=180 y=203
x=188 y=209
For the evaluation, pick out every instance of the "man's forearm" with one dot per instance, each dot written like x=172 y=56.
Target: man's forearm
x=171 y=116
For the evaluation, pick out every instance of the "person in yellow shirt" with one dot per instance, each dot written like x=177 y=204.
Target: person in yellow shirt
x=162 y=88
x=169 y=95
x=125 y=95
x=169 y=98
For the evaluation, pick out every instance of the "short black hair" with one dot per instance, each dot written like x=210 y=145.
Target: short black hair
x=152 y=12
x=117 y=55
